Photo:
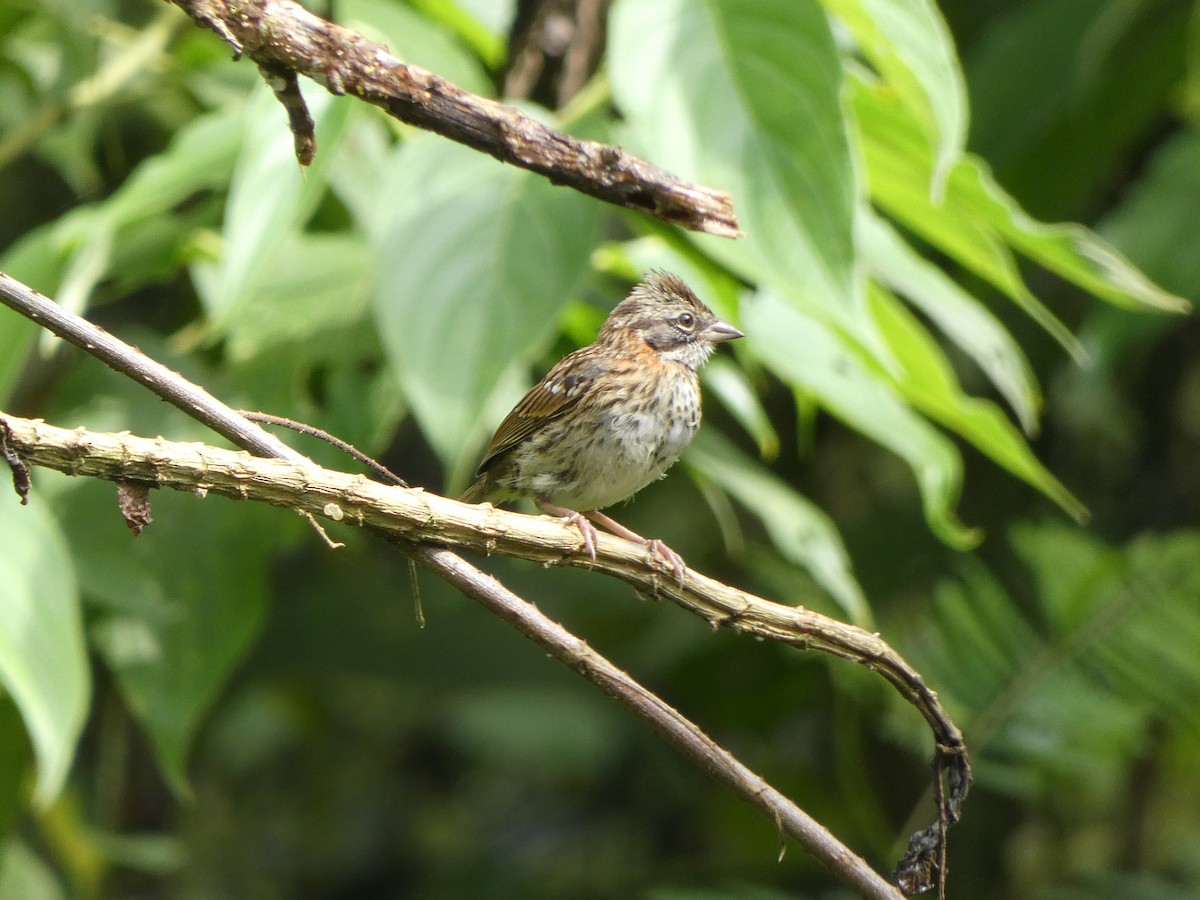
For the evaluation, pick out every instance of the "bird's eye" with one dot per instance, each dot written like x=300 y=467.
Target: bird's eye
x=686 y=321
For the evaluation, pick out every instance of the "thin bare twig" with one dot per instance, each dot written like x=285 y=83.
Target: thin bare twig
x=283 y=37
x=386 y=475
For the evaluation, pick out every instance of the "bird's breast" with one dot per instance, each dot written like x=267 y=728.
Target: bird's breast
x=638 y=440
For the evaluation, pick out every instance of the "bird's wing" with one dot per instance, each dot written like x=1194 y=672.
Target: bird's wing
x=562 y=388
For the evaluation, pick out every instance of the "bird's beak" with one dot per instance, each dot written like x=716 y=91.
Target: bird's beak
x=719 y=332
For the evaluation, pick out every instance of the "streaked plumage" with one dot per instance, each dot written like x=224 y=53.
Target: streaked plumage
x=613 y=416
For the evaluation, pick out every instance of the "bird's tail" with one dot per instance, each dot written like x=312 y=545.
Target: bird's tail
x=478 y=492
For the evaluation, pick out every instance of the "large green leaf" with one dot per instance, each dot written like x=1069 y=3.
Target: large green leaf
x=929 y=383
x=173 y=614
x=1076 y=253
x=743 y=95
x=961 y=317
x=26 y=875
x=16 y=334
x=910 y=45
x=732 y=387
x=899 y=172
x=270 y=196
x=980 y=226
x=43 y=664
x=310 y=285
x=482 y=25
x=476 y=259
x=806 y=353
x=198 y=158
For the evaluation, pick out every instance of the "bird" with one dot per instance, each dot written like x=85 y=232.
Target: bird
x=611 y=417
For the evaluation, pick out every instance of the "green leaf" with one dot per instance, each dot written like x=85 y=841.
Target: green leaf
x=270 y=196
x=1067 y=565
x=482 y=25
x=43 y=664
x=198 y=159
x=360 y=163
x=16 y=336
x=731 y=386
x=929 y=383
x=910 y=45
x=808 y=354
x=1076 y=253
x=899 y=171
x=26 y=875
x=310 y=285
x=173 y=615
x=477 y=259
x=743 y=95
x=67 y=258
x=979 y=225
x=798 y=528
x=1059 y=702
x=960 y=316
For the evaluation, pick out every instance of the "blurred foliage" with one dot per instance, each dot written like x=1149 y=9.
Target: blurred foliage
x=224 y=708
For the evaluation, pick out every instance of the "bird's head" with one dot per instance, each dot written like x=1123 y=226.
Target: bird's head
x=664 y=313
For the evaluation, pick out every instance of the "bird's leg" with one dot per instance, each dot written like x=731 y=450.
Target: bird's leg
x=654 y=545
x=570 y=517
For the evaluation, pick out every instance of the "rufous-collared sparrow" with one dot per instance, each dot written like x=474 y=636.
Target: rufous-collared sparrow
x=611 y=417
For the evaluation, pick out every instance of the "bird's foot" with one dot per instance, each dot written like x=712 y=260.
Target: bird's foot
x=586 y=529
x=672 y=559
x=653 y=545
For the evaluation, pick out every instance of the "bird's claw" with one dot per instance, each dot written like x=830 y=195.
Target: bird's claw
x=669 y=556
x=586 y=530
x=570 y=517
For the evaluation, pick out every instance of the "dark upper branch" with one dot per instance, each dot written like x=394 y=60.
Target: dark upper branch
x=283 y=37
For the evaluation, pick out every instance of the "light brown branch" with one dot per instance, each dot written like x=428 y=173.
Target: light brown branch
x=418 y=516
x=412 y=518
x=285 y=39
x=410 y=515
